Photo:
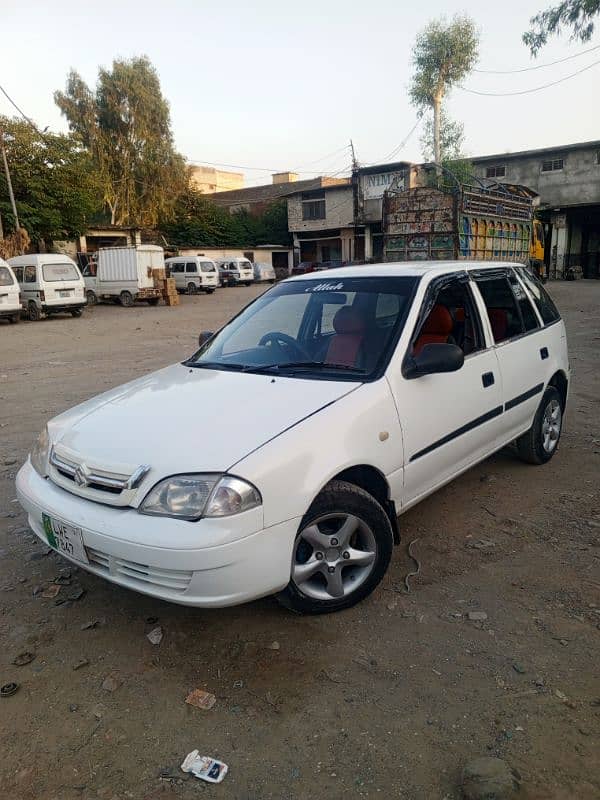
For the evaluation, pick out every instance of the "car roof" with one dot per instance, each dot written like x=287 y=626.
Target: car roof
x=40 y=258
x=402 y=268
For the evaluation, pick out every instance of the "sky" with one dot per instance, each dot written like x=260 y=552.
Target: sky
x=272 y=86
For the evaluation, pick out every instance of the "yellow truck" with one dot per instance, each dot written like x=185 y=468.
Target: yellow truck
x=470 y=222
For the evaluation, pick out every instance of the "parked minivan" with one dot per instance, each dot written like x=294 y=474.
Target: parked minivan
x=50 y=283
x=366 y=388
x=234 y=271
x=10 y=297
x=193 y=273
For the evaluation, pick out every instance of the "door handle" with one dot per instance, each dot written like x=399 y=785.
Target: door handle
x=487 y=379
x=544 y=353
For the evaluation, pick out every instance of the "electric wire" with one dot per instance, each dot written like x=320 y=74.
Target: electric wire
x=529 y=91
x=536 y=66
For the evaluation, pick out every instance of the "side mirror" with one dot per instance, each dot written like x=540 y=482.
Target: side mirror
x=432 y=359
x=204 y=337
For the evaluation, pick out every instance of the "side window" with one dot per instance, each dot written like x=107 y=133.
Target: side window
x=529 y=318
x=502 y=309
x=191 y=267
x=452 y=319
x=29 y=275
x=541 y=298
x=18 y=274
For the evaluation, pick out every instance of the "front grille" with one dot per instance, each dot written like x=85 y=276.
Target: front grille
x=93 y=482
x=173 y=580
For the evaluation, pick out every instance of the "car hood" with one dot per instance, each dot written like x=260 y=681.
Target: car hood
x=181 y=419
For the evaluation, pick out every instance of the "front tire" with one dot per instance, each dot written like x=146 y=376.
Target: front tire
x=191 y=288
x=14 y=319
x=341 y=553
x=126 y=299
x=91 y=297
x=77 y=312
x=34 y=314
x=540 y=443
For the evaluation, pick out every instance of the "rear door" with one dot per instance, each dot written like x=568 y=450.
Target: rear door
x=449 y=420
x=520 y=343
x=191 y=274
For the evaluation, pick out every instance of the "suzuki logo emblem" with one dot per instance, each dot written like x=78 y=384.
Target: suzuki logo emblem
x=80 y=476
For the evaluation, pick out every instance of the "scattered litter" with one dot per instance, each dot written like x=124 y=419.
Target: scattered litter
x=519 y=668
x=8 y=689
x=274 y=646
x=51 y=591
x=23 y=658
x=155 y=636
x=83 y=662
x=238 y=684
x=415 y=572
x=204 y=767
x=201 y=699
x=481 y=544
x=63 y=580
x=112 y=682
x=93 y=623
x=477 y=616
x=77 y=594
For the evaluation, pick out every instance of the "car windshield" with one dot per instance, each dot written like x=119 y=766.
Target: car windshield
x=6 y=278
x=60 y=272
x=343 y=328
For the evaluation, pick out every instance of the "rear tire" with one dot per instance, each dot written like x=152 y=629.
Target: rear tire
x=91 y=297
x=126 y=299
x=540 y=443
x=248 y=283
x=77 y=312
x=34 y=314
x=14 y=319
x=341 y=553
x=209 y=291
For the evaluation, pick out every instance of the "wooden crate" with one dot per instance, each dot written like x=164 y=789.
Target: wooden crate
x=159 y=274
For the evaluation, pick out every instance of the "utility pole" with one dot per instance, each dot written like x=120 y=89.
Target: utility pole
x=354 y=201
x=9 y=182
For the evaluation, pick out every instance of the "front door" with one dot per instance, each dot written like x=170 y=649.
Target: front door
x=449 y=420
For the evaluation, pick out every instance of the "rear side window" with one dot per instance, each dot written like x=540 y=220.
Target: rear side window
x=18 y=274
x=530 y=319
x=541 y=298
x=59 y=272
x=6 y=279
x=191 y=267
x=29 y=275
x=503 y=313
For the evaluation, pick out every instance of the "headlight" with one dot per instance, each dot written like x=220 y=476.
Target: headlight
x=39 y=453
x=193 y=496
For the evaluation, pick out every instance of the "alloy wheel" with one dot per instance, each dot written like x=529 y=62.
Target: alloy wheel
x=551 y=425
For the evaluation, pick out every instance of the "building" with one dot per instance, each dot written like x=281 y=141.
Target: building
x=343 y=222
x=567 y=179
x=256 y=199
x=209 y=180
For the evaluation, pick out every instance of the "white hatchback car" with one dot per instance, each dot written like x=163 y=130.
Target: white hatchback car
x=367 y=389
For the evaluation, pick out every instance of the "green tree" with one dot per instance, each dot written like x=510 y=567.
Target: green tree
x=578 y=16
x=56 y=188
x=444 y=54
x=451 y=138
x=125 y=125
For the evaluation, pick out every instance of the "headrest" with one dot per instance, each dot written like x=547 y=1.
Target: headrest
x=439 y=321
x=348 y=320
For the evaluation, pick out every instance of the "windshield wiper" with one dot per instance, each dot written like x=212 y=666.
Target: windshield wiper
x=215 y=365
x=302 y=365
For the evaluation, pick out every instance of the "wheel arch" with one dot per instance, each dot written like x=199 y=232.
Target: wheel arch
x=375 y=483
x=560 y=382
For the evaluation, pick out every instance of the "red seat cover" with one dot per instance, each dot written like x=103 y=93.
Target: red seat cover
x=499 y=322
x=349 y=327
x=436 y=330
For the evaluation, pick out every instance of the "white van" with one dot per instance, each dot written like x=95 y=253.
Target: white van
x=50 y=283
x=234 y=271
x=124 y=274
x=193 y=273
x=10 y=296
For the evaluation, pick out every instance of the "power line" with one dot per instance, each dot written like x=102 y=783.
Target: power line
x=22 y=113
x=323 y=158
x=530 y=91
x=537 y=66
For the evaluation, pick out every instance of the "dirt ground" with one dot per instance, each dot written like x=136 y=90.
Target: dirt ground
x=388 y=699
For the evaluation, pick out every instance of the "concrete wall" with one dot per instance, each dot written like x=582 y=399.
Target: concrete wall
x=339 y=211
x=209 y=180
x=262 y=255
x=577 y=183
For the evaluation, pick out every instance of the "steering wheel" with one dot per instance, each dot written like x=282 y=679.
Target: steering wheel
x=283 y=341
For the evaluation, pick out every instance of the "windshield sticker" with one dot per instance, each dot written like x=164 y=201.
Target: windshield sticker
x=325 y=287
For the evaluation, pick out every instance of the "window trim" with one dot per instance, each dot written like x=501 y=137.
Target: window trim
x=538 y=312
x=313 y=202
x=495 y=168
x=552 y=162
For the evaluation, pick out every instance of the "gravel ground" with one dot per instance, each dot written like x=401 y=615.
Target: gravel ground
x=388 y=699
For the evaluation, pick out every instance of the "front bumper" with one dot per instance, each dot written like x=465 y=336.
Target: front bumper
x=209 y=563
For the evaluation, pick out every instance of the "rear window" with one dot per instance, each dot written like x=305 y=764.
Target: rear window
x=59 y=272
x=6 y=279
x=541 y=298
